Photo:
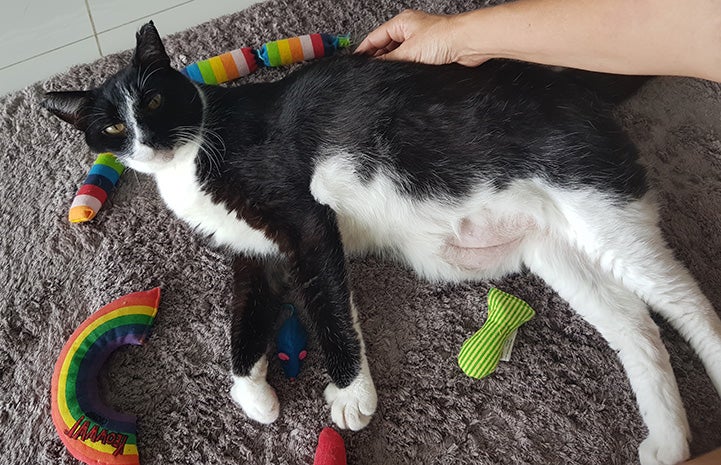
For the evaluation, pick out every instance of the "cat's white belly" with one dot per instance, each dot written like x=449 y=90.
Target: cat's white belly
x=474 y=238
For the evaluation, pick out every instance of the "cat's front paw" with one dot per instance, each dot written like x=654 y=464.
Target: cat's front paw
x=257 y=399
x=353 y=406
x=664 y=449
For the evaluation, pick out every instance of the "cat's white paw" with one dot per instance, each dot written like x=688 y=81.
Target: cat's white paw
x=352 y=407
x=257 y=399
x=664 y=449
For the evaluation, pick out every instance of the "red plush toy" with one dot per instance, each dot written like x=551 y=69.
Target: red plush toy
x=330 y=450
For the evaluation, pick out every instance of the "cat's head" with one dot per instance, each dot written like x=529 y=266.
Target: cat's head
x=143 y=114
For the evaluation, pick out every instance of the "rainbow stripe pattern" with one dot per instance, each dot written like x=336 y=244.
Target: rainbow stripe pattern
x=243 y=61
x=296 y=49
x=222 y=68
x=99 y=183
x=92 y=431
x=480 y=353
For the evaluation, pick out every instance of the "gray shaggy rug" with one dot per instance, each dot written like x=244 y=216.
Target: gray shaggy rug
x=563 y=398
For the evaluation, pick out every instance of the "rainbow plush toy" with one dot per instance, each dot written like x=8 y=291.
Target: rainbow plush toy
x=92 y=431
x=98 y=185
x=481 y=353
x=215 y=70
x=243 y=61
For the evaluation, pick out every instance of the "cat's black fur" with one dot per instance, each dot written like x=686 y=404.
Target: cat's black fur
x=438 y=127
x=443 y=130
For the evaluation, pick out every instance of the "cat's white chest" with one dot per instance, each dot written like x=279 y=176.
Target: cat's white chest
x=179 y=188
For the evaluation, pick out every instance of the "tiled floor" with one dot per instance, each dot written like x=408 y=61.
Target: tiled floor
x=42 y=37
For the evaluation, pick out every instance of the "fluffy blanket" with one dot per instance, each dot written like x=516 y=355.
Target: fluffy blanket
x=563 y=398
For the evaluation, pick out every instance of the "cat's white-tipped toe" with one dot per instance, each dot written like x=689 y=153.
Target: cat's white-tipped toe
x=669 y=450
x=353 y=406
x=257 y=399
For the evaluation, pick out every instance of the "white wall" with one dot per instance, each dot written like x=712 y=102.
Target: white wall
x=39 y=38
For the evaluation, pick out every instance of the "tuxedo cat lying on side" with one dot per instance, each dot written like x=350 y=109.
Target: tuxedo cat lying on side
x=459 y=173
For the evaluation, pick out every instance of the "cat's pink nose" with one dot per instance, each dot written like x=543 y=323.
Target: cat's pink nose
x=292 y=379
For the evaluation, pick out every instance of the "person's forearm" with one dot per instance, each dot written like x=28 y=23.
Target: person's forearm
x=667 y=37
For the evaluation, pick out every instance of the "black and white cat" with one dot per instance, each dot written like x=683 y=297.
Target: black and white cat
x=459 y=173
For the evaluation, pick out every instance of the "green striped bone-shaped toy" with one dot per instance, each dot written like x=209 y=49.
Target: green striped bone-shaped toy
x=481 y=352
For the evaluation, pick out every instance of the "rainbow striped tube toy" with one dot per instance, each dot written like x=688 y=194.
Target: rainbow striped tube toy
x=92 y=432
x=99 y=183
x=243 y=61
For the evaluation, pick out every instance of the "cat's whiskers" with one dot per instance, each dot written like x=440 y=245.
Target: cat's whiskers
x=216 y=152
x=96 y=114
x=143 y=74
x=189 y=135
x=148 y=76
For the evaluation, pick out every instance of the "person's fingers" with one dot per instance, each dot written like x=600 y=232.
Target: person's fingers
x=410 y=36
x=372 y=43
x=392 y=46
x=376 y=40
x=398 y=55
x=391 y=31
x=402 y=52
x=389 y=48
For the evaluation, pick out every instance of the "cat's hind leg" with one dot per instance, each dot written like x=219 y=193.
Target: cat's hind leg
x=255 y=308
x=639 y=256
x=624 y=321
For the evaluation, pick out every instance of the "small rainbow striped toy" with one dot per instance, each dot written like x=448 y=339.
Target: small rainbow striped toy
x=99 y=183
x=243 y=61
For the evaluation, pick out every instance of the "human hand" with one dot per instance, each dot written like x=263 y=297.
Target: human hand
x=416 y=36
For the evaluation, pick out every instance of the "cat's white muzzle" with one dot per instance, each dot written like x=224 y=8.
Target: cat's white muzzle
x=147 y=159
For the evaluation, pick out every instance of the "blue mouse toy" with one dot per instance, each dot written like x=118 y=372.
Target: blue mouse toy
x=291 y=343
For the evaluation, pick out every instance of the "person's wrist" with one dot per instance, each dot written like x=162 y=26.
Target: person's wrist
x=469 y=40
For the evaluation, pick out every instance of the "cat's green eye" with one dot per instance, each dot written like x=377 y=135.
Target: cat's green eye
x=115 y=129
x=155 y=102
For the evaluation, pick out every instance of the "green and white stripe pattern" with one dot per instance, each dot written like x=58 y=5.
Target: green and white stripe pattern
x=480 y=353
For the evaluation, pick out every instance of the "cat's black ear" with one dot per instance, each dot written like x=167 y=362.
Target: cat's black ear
x=70 y=106
x=149 y=50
